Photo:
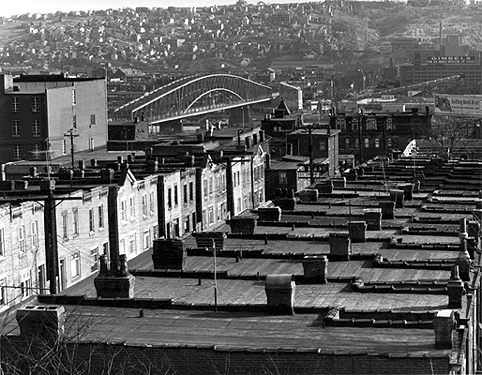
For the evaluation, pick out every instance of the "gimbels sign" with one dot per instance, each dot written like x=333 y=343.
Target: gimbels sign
x=450 y=59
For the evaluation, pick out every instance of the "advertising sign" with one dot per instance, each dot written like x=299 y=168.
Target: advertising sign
x=450 y=59
x=470 y=105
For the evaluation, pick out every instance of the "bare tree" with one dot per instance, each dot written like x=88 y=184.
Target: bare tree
x=449 y=136
x=50 y=353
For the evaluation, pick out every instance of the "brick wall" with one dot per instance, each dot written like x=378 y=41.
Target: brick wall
x=115 y=359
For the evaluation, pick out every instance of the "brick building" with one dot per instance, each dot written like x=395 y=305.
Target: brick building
x=367 y=135
x=35 y=108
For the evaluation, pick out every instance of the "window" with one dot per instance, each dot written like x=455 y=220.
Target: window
x=367 y=142
x=132 y=244
x=94 y=257
x=101 y=216
x=75 y=264
x=322 y=145
x=17 y=152
x=16 y=128
x=91 y=144
x=283 y=178
x=340 y=123
x=211 y=185
x=211 y=215
x=371 y=124
x=187 y=226
x=144 y=205
x=123 y=210
x=34 y=234
x=377 y=143
x=64 y=147
x=21 y=238
x=176 y=198
x=389 y=142
x=37 y=149
x=132 y=207
x=176 y=227
x=2 y=242
x=35 y=104
x=389 y=123
x=26 y=285
x=91 y=220
x=151 y=202
x=15 y=105
x=234 y=179
x=36 y=128
x=147 y=240
x=191 y=191
x=184 y=193
x=357 y=142
x=3 y=292
x=75 y=221
x=205 y=188
x=92 y=120
x=64 y=225
x=74 y=97
x=347 y=142
x=169 y=198
x=74 y=121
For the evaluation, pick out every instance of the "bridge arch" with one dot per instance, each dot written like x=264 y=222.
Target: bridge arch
x=193 y=95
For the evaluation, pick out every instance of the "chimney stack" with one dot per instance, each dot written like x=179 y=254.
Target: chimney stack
x=280 y=293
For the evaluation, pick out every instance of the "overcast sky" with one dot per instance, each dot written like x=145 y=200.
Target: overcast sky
x=11 y=7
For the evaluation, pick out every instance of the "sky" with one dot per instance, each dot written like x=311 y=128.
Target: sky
x=11 y=7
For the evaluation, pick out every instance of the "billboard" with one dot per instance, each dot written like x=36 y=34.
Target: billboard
x=450 y=59
x=468 y=105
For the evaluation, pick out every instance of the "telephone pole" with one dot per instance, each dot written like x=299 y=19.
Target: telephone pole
x=310 y=151
x=70 y=134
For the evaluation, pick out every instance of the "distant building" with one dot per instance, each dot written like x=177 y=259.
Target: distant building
x=292 y=96
x=38 y=111
x=374 y=134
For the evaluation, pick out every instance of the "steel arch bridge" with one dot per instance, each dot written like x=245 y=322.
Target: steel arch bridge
x=193 y=95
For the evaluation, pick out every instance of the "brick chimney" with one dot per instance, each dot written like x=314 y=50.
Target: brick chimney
x=397 y=196
x=280 y=293
x=357 y=231
x=324 y=187
x=455 y=288
x=340 y=246
x=373 y=218
x=464 y=262
x=388 y=209
x=114 y=283
x=285 y=199
x=315 y=269
x=444 y=324
x=45 y=322
x=206 y=239
x=243 y=224
x=269 y=213
x=169 y=254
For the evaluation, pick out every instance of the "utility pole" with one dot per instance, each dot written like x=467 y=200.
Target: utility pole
x=310 y=151
x=70 y=134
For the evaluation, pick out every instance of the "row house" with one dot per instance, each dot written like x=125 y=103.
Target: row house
x=212 y=198
x=22 y=255
x=177 y=202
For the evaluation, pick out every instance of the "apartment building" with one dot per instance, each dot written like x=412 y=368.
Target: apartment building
x=51 y=115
